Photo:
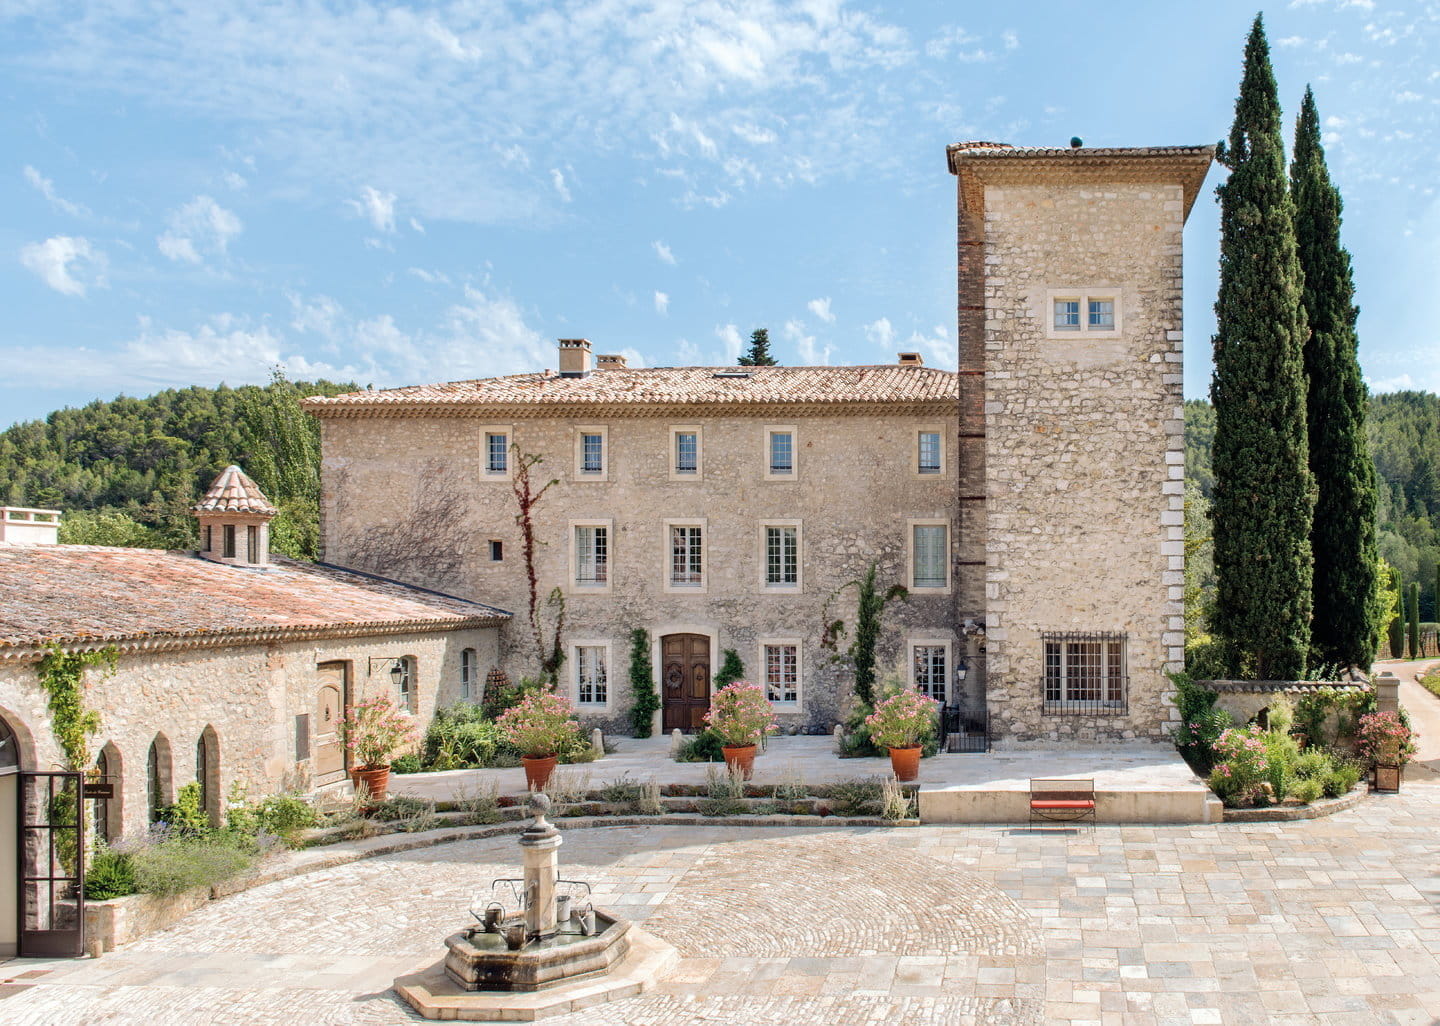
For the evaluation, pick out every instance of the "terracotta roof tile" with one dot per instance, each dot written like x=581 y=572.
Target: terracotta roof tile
x=639 y=387
x=234 y=492
x=71 y=593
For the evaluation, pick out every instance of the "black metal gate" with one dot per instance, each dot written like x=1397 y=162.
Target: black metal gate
x=52 y=865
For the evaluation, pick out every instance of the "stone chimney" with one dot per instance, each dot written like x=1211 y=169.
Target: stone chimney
x=911 y=360
x=235 y=520
x=609 y=361
x=574 y=357
x=29 y=526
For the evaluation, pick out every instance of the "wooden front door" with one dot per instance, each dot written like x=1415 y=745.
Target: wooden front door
x=329 y=711
x=685 y=681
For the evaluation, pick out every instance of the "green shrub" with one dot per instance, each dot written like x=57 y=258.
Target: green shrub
x=1307 y=790
x=703 y=747
x=410 y=762
x=856 y=797
x=1342 y=778
x=400 y=807
x=185 y=863
x=1201 y=723
x=111 y=874
x=1241 y=773
x=1312 y=764
x=187 y=816
x=285 y=815
x=1431 y=683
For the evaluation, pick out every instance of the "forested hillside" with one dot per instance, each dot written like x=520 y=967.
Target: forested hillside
x=1404 y=430
x=126 y=471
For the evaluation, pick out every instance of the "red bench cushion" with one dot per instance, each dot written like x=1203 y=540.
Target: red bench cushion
x=1062 y=803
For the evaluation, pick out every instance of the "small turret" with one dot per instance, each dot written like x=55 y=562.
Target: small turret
x=235 y=520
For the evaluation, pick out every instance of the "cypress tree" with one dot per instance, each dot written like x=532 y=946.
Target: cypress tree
x=1414 y=619
x=1263 y=495
x=643 y=699
x=759 y=353
x=1342 y=533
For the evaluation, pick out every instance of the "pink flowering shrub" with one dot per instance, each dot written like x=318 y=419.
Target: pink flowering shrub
x=1382 y=738
x=1242 y=767
x=540 y=724
x=374 y=730
x=904 y=720
x=740 y=714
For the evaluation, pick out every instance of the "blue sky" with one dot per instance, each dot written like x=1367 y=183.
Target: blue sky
x=196 y=192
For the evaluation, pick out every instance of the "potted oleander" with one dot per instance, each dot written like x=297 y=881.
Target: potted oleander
x=374 y=731
x=740 y=716
x=540 y=726
x=1387 y=744
x=902 y=723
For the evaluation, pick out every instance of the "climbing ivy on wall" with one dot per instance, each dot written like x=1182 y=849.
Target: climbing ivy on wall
x=62 y=677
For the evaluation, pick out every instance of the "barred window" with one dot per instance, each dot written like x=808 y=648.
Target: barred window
x=782 y=673
x=497 y=453
x=930 y=556
x=782 y=452
x=782 y=556
x=592 y=686
x=932 y=671
x=592 y=453
x=687 y=452
x=592 y=555
x=1085 y=673
x=687 y=563
x=929 y=452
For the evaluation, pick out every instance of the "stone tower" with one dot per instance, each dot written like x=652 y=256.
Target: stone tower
x=1071 y=415
x=235 y=520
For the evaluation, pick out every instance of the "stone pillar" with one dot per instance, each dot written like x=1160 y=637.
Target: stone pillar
x=1387 y=692
x=540 y=846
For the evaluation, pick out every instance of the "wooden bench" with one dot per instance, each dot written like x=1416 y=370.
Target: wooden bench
x=1062 y=800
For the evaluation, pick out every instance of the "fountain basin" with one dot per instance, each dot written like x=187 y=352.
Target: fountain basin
x=483 y=962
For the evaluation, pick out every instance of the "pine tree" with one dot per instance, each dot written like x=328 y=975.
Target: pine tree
x=1342 y=533
x=759 y=354
x=1263 y=497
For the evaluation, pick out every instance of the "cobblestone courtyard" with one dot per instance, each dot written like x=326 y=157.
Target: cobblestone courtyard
x=1329 y=921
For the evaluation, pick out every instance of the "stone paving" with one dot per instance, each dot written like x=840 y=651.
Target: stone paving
x=1322 y=921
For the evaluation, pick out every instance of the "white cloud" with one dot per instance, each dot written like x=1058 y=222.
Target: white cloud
x=663 y=252
x=68 y=265
x=47 y=189
x=937 y=346
x=881 y=333
x=729 y=336
x=1290 y=41
x=417 y=226
x=429 y=277
x=450 y=43
x=1399 y=383
x=632 y=357
x=662 y=303
x=1408 y=97
x=1010 y=39
x=378 y=207
x=821 y=309
x=200 y=226
x=811 y=355
x=557 y=178
x=320 y=315
x=234 y=181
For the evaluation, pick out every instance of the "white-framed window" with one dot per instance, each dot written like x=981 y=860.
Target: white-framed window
x=687 y=455
x=469 y=666
x=1082 y=311
x=590 y=554
x=780 y=454
x=1085 y=672
x=407 y=694
x=930 y=451
x=592 y=453
x=929 y=555
x=591 y=661
x=780 y=669
x=780 y=556
x=685 y=556
x=495 y=457
x=930 y=668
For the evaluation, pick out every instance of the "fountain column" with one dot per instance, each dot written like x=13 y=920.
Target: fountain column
x=540 y=846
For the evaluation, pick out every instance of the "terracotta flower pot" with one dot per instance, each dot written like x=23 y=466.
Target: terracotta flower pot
x=537 y=770
x=905 y=762
x=741 y=756
x=374 y=779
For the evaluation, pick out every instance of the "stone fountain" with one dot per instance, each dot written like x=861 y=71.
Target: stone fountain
x=547 y=952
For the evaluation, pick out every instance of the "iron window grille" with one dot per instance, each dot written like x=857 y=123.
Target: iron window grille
x=929 y=452
x=782 y=556
x=592 y=454
x=687 y=452
x=782 y=452
x=591 y=683
x=1085 y=673
x=592 y=555
x=932 y=672
x=686 y=557
x=782 y=673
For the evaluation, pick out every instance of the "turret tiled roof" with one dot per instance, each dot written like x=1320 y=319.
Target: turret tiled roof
x=234 y=492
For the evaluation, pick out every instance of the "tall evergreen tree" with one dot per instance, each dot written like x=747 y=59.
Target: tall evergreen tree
x=1342 y=533
x=759 y=352
x=1263 y=494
